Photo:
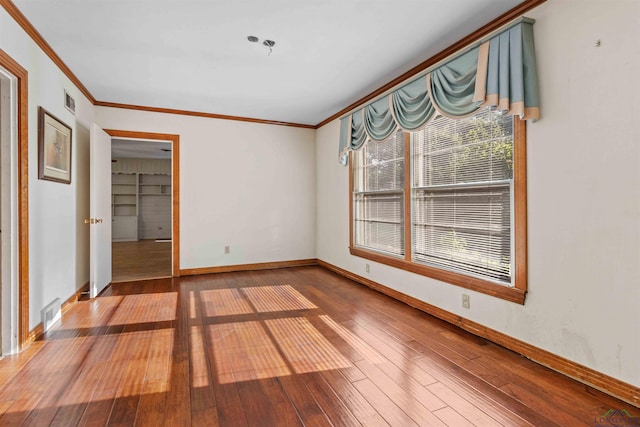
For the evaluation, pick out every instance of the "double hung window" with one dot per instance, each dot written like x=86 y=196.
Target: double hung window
x=378 y=196
x=447 y=201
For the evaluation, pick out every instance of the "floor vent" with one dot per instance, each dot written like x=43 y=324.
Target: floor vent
x=51 y=314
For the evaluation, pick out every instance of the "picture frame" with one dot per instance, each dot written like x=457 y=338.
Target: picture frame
x=54 y=148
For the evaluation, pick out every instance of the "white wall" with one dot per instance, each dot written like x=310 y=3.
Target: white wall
x=244 y=185
x=259 y=188
x=58 y=240
x=583 y=198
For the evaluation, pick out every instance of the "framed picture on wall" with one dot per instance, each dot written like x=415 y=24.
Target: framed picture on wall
x=54 y=148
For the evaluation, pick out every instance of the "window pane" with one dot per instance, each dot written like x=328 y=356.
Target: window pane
x=462 y=195
x=381 y=165
x=378 y=207
x=466 y=230
x=454 y=151
x=379 y=222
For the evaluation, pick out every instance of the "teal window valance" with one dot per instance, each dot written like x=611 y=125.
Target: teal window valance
x=500 y=73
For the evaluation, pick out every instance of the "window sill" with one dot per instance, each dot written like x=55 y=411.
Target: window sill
x=507 y=293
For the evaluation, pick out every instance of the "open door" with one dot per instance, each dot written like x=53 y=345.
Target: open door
x=100 y=211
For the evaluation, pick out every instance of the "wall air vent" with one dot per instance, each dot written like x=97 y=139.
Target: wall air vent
x=69 y=103
x=51 y=314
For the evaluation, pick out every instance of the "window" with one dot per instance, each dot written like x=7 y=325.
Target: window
x=461 y=191
x=447 y=201
x=378 y=196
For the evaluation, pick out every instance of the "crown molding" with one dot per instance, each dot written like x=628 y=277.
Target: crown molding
x=200 y=114
x=478 y=34
x=28 y=28
x=503 y=19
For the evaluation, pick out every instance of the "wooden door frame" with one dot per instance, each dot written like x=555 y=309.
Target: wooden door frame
x=175 y=185
x=22 y=151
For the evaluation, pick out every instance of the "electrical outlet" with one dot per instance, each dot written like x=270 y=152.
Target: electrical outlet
x=227 y=249
x=466 y=301
x=366 y=268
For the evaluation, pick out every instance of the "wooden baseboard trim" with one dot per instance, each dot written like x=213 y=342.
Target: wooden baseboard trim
x=37 y=332
x=148 y=279
x=34 y=334
x=248 y=267
x=583 y=374
x=74 y=298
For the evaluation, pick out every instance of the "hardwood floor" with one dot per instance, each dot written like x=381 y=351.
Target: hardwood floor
x=298 y=346
x=143 y=259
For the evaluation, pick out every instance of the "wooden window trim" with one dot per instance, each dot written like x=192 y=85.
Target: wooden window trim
x=408 y=241
x=514 y=293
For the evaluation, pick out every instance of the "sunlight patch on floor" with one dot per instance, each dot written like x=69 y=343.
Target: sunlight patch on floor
x=146 y=308
x=199 y=369
x=224 y=302
x=243 y=351
x=306 y=349
x=277 y=298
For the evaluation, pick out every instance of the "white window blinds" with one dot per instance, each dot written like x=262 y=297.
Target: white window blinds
x=462 y=175
x=378 y=196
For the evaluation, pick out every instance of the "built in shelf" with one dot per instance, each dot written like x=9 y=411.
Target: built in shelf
x=126 y=193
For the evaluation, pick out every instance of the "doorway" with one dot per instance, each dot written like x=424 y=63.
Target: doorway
x=14 y=208
x=144 y=206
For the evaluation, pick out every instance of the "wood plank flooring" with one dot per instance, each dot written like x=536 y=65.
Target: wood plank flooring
x=291 y=347
x=143 y=259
